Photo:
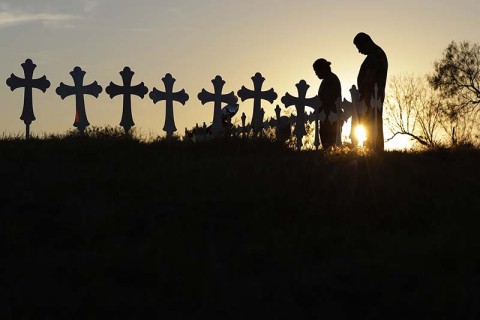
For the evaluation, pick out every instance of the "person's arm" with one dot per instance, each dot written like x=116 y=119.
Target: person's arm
x=367 y=83
x=327 y=95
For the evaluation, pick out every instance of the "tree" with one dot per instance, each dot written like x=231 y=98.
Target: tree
x=413 y=109
x=459 y=125
x=457 y=75
x=457 y=79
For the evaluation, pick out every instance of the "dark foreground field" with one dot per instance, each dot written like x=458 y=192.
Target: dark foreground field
x=112 y=228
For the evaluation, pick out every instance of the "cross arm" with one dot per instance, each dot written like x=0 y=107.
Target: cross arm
x=93 y=89
x=302 y=88
x=139 y=90
x=289 y=100
x=313 y=102
x=15 y=82
x=230 y=98
x=114 y=90
x=205 y=96
x=245 y=93
x=157 y=95
x=348 y=107
x=41 y=83
x=322 y=116
x=181 y=96
x=332 y=117
x=64 y=91
x=270 y=95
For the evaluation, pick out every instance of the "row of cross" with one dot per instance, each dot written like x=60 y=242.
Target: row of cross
x=79 y=90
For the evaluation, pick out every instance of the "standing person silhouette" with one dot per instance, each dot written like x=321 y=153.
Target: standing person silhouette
x=330 y=90
x=373 y=71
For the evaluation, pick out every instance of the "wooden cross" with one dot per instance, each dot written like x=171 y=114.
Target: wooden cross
x=79 y=90
x=315 y=117
x=359 y=108
x=360 y=105
x=348 y=109
x=262 y=115
x=244 y=118
x=29 y=84
x=257 y=95
x=339 y=117
x=217 y=97
x=127 y=91
x=377 y=102
x=300 y=103
x=169 y=96
x=278 y=110
x=316 y=142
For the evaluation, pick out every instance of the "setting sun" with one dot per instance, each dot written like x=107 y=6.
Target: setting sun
x=360 y=134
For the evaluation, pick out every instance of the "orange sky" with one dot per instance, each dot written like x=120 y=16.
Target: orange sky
x=197 y=40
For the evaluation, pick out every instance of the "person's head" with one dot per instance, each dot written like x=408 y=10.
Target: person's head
x=322 y=68
x=363 y=42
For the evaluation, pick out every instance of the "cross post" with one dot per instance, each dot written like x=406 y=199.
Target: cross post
x=79 y=90
x=127 y=91
x=217 y=97
x=300 y=103
x=257 y=95
x=29 y=84
x=169 y=97
x=339 y=118
x=318 y=117
x=244 y=129
x=358 y=110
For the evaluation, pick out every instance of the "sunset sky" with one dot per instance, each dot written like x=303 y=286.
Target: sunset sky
x=195 y=40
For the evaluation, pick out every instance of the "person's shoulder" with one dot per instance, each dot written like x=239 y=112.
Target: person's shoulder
x=379 y=52
x=333 y=78
x=375 y=58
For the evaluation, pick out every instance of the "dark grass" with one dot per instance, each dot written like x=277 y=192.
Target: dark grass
x=109 y=227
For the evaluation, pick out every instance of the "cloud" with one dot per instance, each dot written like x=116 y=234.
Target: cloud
x=8 y=19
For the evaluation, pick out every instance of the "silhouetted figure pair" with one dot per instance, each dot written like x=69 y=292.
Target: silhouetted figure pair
x=329 y=92
x=372 y=72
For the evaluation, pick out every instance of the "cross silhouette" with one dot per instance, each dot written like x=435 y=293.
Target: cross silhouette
x=315 y=118
x=257 y=95
x=217 y=97
x=79 y=90
x=300 y=103
x=169 y=96
x=277 y=112
x=244 y=118
x=339 y=117
x=127 y=91
x=28 y=83
x=319 y=116
x=358 y=109
x=377 y=100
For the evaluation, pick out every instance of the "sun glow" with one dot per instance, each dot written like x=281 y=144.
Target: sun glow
x=360 y=134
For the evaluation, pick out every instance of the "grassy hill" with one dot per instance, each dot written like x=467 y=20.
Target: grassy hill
x=110 y=227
